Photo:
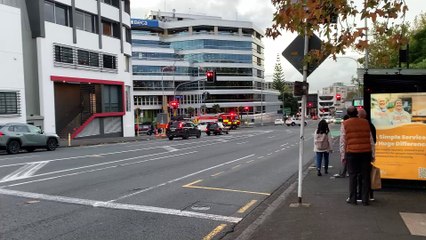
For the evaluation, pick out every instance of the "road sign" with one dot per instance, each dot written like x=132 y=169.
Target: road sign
x=294 y=52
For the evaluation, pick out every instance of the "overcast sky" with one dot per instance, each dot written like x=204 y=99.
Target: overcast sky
x=260 y=13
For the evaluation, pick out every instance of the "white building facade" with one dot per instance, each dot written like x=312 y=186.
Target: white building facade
x=12 y=85
x=172 y=52
x=77 y=66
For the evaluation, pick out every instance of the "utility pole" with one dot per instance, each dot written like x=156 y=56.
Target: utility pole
x=302 y=124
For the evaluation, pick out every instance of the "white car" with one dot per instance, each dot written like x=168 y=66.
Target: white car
x=294 y=122
x=279 y=121
x=202 y=126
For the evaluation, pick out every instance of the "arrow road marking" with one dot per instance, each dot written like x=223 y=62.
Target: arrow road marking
x=24 y=172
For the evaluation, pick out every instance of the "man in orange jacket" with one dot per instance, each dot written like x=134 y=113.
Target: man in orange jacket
x=357 y=148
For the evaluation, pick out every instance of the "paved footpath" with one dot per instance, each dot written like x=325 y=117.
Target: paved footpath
x=397 y=213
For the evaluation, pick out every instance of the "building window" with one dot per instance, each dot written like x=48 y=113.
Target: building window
x=126 y=63
x=111 y=29
x=85 y=21
x=56 y=13
x=111 y=98
x=128 y=35
x=109 y=61
x=88 y=58
x=49 y=12
x=63 y=54
x=9 y=103
x=114 y=3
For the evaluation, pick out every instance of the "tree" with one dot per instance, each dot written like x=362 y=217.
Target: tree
x=216 y=108
x=417 y=49
x=318 y=16
x=278 y=76
x=191 y=111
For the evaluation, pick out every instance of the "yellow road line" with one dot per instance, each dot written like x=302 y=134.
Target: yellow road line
x=191 y=185
x=236 y=166
x=217 y=174
x=214 y=232
x=247 y=206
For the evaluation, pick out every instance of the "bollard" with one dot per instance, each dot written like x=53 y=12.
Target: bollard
x=69 y=139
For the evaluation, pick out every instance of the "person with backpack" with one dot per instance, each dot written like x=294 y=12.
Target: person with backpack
x=322 y=146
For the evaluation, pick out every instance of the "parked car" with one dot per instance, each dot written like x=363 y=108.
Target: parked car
x=183 y=129
x=202 y=126
x=17 y=136
x=279 y=121
x=294 y=122
x=216 y=128
x=143 y=128
x=338 y=120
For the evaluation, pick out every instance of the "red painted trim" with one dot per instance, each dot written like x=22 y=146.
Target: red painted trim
x=84 y=80
x=96 y=115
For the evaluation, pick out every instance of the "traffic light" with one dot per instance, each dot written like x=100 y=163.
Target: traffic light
x=300 y=88
x=211 y=76
x=246 y=109
x=310 y=104
x=338 y=97
x=174 y=104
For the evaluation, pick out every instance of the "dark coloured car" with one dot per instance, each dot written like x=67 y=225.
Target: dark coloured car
x=143 y=128
x=17 y=136
x=216 y=128
x=183 y=129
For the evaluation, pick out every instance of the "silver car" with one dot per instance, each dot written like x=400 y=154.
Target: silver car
x=17 y=136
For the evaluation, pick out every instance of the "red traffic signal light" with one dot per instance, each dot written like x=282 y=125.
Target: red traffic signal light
x=310 y=104
x=211 y=76
x=174 y=104
x=338 y=97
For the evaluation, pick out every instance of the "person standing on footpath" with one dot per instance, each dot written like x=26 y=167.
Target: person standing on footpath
x=363 y=114
x=322 y=146
x=357 y=148
x=344 y=171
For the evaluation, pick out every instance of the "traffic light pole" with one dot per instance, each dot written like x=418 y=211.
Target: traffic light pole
x=302 y=123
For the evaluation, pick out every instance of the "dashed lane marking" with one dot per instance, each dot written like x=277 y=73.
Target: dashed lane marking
x=192 y=185
x=217 y=174
x=109 y=205
x=237 y=166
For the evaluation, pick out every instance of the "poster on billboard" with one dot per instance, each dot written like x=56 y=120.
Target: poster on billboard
x=400 y=121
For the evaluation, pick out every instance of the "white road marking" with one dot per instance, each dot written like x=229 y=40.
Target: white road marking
x=11 y=158
x=284 y=144
x=269 y=154
x=241 y=143
x=170 y=149
x=109 y=205
x=94 y=170
x=271 y=136
x=180 y=178
x=24 y=172
x=277 y=150
x=260 y=157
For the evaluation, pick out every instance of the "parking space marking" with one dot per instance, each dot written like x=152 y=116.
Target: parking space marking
x=120 y=206
x=192 y=185
x=247 y=206
x=215 y=231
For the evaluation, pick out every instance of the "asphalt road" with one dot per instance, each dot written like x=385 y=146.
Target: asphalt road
x=160 y=189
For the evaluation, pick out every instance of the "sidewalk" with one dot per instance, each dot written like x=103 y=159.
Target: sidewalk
x=328 y=216
x=98 y=141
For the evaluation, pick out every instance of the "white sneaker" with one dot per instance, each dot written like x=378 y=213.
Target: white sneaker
x=372 y=199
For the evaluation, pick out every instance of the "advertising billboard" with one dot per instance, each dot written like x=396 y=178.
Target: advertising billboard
x=400 y=121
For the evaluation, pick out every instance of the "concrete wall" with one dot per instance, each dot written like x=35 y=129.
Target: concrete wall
x=11 y=59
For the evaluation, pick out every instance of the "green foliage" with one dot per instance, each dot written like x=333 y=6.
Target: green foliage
x=317 y=16
x=278 y=76
x=191 y=111
x=216 y=108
